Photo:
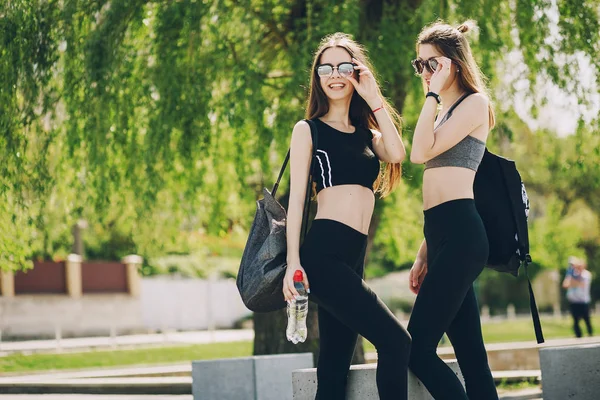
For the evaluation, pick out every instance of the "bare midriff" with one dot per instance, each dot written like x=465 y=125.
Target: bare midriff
x=445 y=184
x=351 y=205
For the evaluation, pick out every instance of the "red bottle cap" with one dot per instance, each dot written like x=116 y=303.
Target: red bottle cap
x=298 y=276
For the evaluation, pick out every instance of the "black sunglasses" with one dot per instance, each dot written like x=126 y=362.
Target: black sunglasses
x=419 y=65
x=345 y=69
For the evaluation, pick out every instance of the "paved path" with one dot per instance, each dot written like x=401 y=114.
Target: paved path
x=519 y=395
x=168 y=385
x=107 y=342
x=93 y=397
x=523 y=394
x=180 y=369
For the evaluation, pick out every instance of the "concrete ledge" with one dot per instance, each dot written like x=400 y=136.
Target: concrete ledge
x=517 y=376
x=510 y=355
x=571 y=372
x=527 y=394
x=156 y=385
x=249 y=378
x=361 y=383
x=167 y=370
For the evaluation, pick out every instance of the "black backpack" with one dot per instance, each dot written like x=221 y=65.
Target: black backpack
x=502 y=203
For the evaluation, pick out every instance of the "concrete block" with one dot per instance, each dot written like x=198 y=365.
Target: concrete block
x=505 y=356
x=73 y=270
x=133 y=263
x=571 y=372
x=249 y=378
x=274 y=374
x=361 y=383
x=7 y=284
x=231 y=379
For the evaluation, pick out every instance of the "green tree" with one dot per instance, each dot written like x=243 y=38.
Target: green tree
x=153 y=118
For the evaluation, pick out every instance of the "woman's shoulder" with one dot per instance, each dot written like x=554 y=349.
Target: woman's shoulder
x=302 y=124
x=301 y=134
x=474 y=107
x=301 y=128
x=477 y=100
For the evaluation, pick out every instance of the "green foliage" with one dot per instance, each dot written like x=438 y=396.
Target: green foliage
x=555 y=237
x=216 y=256
x=401 y=231
x=157 y=120
x=497 y=290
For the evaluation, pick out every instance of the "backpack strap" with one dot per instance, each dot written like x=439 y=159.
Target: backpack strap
x=509 y=170
x=281 y=171
x=453 y=107
x=457 y=103
x=314 y=134
x=537 y=325
x=511 y=175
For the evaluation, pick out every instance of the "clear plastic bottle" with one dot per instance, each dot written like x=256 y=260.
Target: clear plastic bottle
x=297 y=311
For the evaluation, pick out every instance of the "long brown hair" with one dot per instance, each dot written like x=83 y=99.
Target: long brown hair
x=452 y=43
x=360 y=112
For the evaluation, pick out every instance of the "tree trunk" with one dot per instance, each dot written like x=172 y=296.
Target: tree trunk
x=269 y=333
x=269 y=336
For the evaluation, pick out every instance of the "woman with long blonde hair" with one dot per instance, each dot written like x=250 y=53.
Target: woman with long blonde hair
x=357 y=128
x=451 y=144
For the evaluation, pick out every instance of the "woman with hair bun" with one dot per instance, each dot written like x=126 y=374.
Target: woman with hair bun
x=451 y=144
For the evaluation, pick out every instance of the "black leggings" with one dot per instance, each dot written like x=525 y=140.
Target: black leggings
x=333 y=257
x=581 y=311
x=457 y=250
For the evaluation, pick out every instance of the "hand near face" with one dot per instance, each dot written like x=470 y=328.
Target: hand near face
x=366 y=87
x=440 y=75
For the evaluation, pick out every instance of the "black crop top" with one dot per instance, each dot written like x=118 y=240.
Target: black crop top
x=344 y=158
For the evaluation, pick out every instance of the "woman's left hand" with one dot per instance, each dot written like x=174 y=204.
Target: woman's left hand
x=366 y=86
x=440 y=75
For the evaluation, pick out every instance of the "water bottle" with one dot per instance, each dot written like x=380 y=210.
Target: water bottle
x=297 y=310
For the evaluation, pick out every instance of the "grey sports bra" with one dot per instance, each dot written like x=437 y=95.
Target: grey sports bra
x=466 y=154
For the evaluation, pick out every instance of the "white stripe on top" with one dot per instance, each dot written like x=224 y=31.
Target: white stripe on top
x=322 y=169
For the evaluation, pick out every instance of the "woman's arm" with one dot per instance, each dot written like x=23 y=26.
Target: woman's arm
x=422 y=253
x=473 y=114
x=427 y=144
x=419 y=269
x=387 y=143
x=300 y=158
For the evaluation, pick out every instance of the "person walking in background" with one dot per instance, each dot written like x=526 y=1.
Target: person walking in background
x=451 y=143
x=578 y=283
x=357 y=128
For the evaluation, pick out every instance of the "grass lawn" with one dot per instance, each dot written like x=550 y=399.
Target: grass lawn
x=513 y=331
x=99 y=359
x=504 y=387
x=521 y=330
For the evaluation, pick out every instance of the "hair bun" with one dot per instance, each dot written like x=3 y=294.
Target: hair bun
x=467 y=26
